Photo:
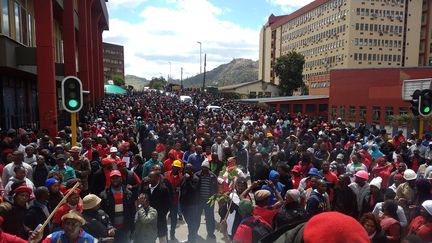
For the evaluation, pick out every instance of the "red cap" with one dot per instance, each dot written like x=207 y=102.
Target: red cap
x=107 y=161
x=362 y=174
x=120 y=135
x=115 y=173
x=296 y=168
x=380 y=159
x=23 y=189
x=121 y=162
x=86 y=133
x=76 y=191
x=334 y=227
x=126 y=144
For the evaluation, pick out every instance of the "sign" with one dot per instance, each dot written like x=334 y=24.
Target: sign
x=409 y=86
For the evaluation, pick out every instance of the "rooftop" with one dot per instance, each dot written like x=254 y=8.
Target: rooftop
x=285 y=98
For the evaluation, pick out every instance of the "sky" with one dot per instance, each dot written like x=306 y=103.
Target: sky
x=161 y=36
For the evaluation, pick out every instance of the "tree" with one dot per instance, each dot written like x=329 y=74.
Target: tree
x=158 y=83
x=118 y=80
x=289 y=69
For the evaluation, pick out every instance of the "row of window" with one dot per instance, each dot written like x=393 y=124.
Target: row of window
x=16 y=16
x=362 y=111
x=315 y=85
x=314 y=26
x=113 y=61
x=112 y=70
x=315 y=38
x=314 y=74
x=377 y=57
x=377 y=42
x=309 y=108
x=334 y=4
x=380 y=13
x=113 y=52
x=323 y=48
x=389 y=1
x=382 y=28
x=326 y=61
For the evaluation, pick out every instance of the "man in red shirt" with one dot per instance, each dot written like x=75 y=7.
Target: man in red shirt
x=330 y=177
x=244 y=232
x=174 y=177
x=422 y=225
x=262 y=207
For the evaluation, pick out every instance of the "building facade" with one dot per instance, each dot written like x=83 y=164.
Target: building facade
x=113 y=61
x=41 y=42
x=348 y=34
x=254 y=89
x=371 y=95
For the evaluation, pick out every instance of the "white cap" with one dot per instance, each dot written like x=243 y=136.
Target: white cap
x=113 y=150
x=409 y=175
x=428 y=206
x=376 y=182
x=205 y=163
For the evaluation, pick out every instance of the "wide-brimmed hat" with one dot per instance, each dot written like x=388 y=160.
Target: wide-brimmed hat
x=91 y=201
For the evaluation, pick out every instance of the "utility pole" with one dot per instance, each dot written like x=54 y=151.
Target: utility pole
x=181 y=78
x=199 y=42
x=205 y=64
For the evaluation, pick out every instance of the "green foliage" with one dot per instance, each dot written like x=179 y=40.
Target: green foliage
x=118 y=80
x=289 y=69
x=158 y=83
x=218 y=197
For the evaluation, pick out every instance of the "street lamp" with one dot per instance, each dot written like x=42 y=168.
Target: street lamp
x=199 y=42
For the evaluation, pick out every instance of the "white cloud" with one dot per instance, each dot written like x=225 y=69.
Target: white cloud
x=289 y=6
x=114 y=4
x=170 y=35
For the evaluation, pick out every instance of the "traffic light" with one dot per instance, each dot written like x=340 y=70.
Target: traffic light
x=425 y=102
x=72 y=95
x=415 y=102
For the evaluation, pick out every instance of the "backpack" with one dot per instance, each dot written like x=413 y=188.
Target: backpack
x=259 y=230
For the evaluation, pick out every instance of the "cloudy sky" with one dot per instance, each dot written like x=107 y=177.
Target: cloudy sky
x=155 y=33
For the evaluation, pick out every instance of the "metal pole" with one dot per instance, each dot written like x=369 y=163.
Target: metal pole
x=421 y=123
x=205 y=64
x=74 y=128
x=169 y=76
x=200 y=55
x=181 y=78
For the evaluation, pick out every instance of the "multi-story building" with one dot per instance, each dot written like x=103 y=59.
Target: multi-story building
x=41 y=42
x=348 y=34
x=113 y=61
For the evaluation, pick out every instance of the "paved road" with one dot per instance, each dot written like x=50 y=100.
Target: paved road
x=181 y=231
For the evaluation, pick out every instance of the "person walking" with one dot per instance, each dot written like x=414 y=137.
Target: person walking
x=189 y=200
x=98 y=223
x=145 y=221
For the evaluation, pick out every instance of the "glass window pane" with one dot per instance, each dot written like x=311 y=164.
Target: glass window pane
x=17 y=22
x=5 y=18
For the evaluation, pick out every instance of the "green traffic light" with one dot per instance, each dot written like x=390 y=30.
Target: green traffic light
x=73 y=103
x=426 y=109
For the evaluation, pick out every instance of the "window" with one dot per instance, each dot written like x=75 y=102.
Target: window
x=376 y=113
x=310 y=108
x=403 y=111
x=5 y=29
x=342 y=111
x=334 y=111
x=252 y=95
x=362 y=113
x=388 y=114
x=285 y=108
x=17 y=22
x=351 y=114
x=297 y=108
x=322 y=108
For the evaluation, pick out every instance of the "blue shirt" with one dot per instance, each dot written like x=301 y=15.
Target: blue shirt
x=150 y=163
x=59 y=236
x=68 y=172
x=195 y=160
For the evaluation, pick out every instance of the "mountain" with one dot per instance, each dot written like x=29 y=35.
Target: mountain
x=237 y=71
x=137 y=82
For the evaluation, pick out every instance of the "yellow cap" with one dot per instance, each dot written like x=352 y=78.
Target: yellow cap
x=177 y=163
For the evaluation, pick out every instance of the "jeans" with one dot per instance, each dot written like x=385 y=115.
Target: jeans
x=122 y=235
x=173 y=215
x=209 y=217
x=192 y=216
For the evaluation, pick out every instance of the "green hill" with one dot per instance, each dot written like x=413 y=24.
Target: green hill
x=237 y=71
x=137 y=82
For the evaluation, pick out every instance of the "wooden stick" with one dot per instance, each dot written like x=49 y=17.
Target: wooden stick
x=58 y=206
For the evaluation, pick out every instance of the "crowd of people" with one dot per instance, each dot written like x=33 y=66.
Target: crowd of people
x=148 y=158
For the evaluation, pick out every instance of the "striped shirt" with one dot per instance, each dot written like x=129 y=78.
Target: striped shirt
x=118 y=208
x=205 y=187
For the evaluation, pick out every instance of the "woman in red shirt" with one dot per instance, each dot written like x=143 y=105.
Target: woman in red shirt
x=383 y=169
x=422 y=225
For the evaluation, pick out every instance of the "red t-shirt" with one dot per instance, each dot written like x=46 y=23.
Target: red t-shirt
x=422 y=230
x=267 y=213
x=8 y=238
x=244 y=232
x=175 y=182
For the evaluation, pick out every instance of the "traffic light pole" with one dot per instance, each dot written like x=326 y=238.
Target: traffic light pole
x=421 y=124
x=74 y=128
